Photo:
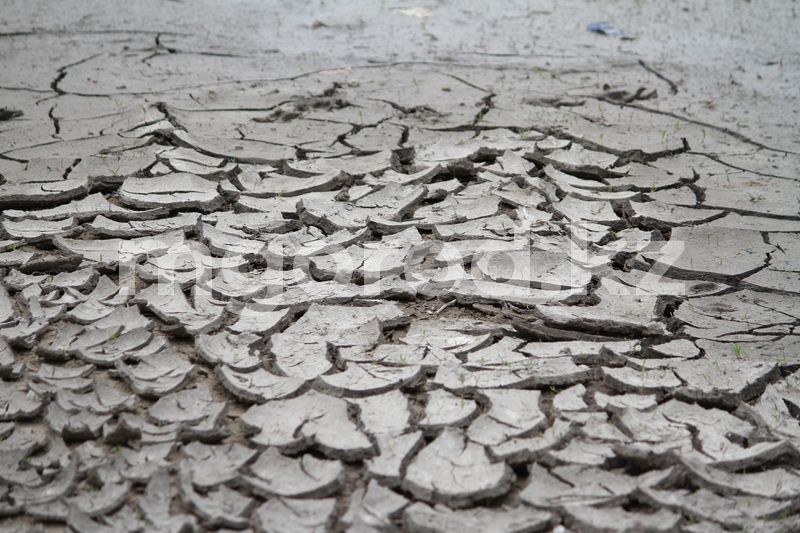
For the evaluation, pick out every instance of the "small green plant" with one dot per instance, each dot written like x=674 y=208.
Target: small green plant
x=140 y=516
x=739 y=351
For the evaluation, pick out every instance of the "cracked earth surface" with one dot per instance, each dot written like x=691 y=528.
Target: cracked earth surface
x=478 y=281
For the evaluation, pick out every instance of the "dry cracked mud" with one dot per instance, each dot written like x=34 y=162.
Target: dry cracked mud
x=381 y=267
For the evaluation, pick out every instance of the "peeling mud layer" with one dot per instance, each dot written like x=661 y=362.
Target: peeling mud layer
x=269 y=269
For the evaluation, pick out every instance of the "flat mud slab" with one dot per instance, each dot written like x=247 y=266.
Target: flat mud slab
x=388 y=268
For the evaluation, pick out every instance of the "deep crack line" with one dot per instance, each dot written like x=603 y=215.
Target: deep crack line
x=673 y=87
x=731 y=165
x=727 y=131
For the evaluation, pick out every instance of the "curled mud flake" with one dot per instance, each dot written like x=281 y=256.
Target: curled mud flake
x=456 y=471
